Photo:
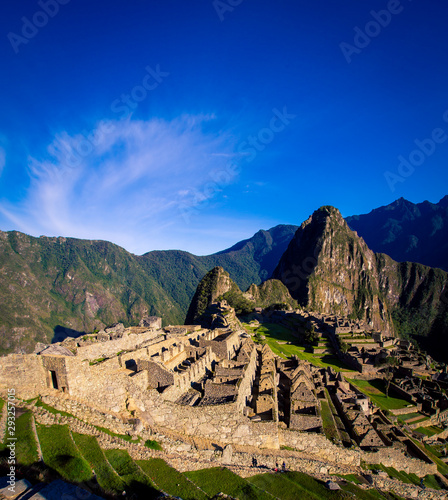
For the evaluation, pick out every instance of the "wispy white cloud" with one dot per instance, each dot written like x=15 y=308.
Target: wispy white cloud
x=126 y=182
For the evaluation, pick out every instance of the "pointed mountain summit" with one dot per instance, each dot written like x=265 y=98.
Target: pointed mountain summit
x=328 y=268
x=217 y=285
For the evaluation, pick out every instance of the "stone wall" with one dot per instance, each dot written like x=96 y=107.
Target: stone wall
x=401 y=393
x=195 y=371
x=23 y=372
x=304 y=422
x=396 y=458
x=224 y=348
x=102 y=385
x=158 y=375
x=112 y=347
x=318 y=445
x=245 y=385
x=220 y=423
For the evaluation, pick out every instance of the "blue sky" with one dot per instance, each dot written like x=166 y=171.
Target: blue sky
x=174 y=124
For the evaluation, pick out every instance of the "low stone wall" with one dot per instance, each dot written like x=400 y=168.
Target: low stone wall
x=112 y=347
x=319 y=446
x=404 y=411
x=396 y=458
x=394 y=388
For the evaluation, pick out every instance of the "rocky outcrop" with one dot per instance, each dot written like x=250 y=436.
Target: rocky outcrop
x=217 y=285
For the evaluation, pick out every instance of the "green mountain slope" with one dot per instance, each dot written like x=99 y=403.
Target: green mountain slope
x=49 y=286
x=46 y=283
x=407 y=231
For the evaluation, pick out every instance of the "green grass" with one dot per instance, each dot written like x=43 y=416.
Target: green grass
x=430 y=431
x=26 y=445
x=328 y=422
x=280 y=486
x=2 y=404
x=136 y=481
x=107 y=478
x=61 y=454
x=431 y=482
x=353 y=478
x=54 y=411
x=408 y=416
x=220 y=479
x=394 y=473
x=275 y=333
x=153 y=445
x=296 y=485
x=376 y=391
x=170 y=480
x=442 y=467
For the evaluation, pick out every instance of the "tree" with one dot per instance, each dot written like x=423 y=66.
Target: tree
x=311 y=337
x=391 y=362
x=344 y=347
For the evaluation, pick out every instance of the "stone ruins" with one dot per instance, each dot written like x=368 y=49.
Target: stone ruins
x=221 y=386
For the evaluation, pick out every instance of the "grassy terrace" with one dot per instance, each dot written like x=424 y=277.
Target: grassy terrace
x=429 y=431
x=430 y=481
x=328 y=422
x=275 y=334
x=136 y=481
x=295 y=485
x=107 y=478
x=61 y=454
x=376 y=391
x=170 y=480
x=218 y=479
x=26 y=445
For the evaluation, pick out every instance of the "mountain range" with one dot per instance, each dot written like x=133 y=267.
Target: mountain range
x=407 y=232
x=54 y=287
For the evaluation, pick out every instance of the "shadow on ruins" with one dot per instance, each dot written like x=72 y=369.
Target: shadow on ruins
x=62 y=332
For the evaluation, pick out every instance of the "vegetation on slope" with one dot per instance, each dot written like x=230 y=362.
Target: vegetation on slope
x=136 y=481
x=54 y=287
x=61 y=454
x=407 y=231
x=220 y=479
x=170 y=480
x=106 y=476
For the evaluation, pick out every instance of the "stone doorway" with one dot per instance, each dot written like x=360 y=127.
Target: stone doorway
x=54 y=379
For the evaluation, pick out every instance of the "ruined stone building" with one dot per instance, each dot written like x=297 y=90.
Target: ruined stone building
x=355 y=411
x=300 y=402
x=266 y=398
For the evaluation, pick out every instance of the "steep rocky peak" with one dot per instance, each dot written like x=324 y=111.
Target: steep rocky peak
x=327 y=267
